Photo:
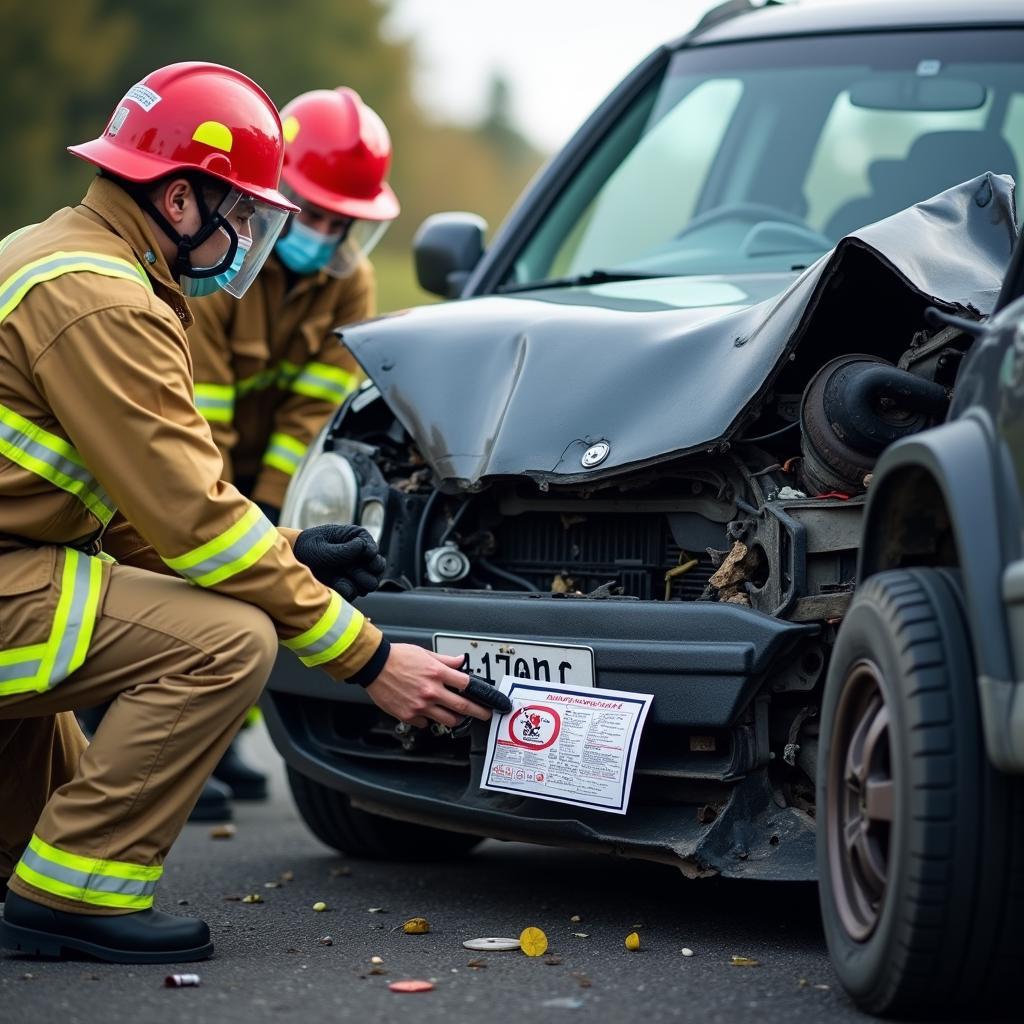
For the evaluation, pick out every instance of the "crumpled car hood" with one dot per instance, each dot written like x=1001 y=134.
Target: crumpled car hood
x=525 y=384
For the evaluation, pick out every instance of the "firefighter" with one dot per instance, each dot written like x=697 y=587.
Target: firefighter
x=103 y=456
x=269 y=370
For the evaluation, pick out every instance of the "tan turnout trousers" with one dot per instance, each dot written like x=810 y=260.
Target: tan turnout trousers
x=182 y=666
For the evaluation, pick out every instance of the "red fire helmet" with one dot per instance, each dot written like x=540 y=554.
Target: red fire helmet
x=337 y=154
x=195 y=117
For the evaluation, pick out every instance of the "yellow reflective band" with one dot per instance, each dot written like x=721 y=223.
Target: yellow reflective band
x=321 y=380
x=258 y=381
x=284 y=452
x=341 y=645
x=215 y=402
x=92 y=602
x=54 y=459
x=235 y=550
x=334 y=632
x=81 y=895
x=316 y=631
x=95 y=866
x=18 y=285
x=39 y=667
x=109 y=883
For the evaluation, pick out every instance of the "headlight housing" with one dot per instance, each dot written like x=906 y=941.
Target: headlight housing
x=323 y=490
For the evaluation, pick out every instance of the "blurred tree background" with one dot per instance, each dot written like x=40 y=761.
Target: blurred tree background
x=66 y=63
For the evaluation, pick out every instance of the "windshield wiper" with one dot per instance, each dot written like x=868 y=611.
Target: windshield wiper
x=593 y=277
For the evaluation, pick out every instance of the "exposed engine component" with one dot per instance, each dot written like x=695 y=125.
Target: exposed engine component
x=446 y=564
x=853 y=408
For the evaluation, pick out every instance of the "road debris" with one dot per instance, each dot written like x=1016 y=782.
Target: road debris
x=341 y=872
x=287 y=876
x=553 y=961
x=376 y=910
x=181 y=981
x=411 y=986
x=582 y=979
x=575 y=919
x=564 y=1003
x=492 y=944
x=686 y=951
x=477 y=963
x=271 y=885
x=581 y=935
x=744 y=961
x=325 y=940
x=533 y=942
x=320 y=906
x=416 y=926
x=376 y=960
x=253 y=897
x=632 y=942
x=223 y=832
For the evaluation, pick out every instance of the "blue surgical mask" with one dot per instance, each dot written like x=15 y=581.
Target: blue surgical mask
x=197 y=287
x=305 y=251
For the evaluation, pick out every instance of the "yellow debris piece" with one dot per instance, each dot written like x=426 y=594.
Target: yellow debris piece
x=533 y=942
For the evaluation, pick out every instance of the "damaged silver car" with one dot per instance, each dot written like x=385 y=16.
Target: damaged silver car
x=635 y=452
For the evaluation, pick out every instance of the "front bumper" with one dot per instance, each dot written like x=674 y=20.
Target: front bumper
x=701 y=797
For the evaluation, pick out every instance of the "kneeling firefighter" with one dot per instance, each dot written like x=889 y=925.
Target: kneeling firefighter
x=269 y=370
x=104 y=456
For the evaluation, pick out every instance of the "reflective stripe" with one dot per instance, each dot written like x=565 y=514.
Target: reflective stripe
x=107 y=883
x=52 y=458
x=334 y=633
x=284 y=452
x=215 y=402
x=321 y=380
x=230 y=553
x=315 y=380
x=18 y=285
x=39 y=667
x=21 y=441
x=258 y=381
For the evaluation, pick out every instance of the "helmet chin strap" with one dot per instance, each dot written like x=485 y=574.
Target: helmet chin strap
x=210 y=221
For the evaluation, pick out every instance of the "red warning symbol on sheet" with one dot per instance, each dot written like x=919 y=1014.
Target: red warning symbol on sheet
x=534 y=726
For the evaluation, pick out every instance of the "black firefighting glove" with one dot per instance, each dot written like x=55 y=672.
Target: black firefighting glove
x=344 y=558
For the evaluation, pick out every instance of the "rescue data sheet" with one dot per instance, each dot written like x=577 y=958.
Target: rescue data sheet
x=567 y=744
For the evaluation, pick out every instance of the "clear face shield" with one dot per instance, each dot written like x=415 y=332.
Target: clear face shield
x=250 y=228
x=305 y=250
x=355 y=244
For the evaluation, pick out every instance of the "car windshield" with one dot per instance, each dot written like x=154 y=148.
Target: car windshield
x=757 y=157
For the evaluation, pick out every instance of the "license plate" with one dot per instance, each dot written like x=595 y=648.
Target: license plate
x=560 y=664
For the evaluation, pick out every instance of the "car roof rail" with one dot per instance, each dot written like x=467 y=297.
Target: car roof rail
x=1013 y=283
x=731 y=9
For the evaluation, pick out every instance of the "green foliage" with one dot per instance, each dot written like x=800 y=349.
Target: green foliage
x=67 y=62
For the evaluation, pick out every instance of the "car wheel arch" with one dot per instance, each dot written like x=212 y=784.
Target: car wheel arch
x=927 y=503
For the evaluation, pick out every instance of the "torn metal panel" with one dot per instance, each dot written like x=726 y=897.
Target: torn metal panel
x=526 y=384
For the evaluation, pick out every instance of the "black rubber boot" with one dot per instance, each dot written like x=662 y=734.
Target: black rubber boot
x=143 y=937
x=246 y=782
x=213 y=803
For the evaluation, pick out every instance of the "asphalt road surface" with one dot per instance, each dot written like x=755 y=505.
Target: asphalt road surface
x=273 y=962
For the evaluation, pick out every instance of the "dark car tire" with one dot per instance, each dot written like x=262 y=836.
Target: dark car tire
x=924 y=912
x=331 y=817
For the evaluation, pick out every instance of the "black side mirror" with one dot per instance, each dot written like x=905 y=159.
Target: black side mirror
x=446 y=248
